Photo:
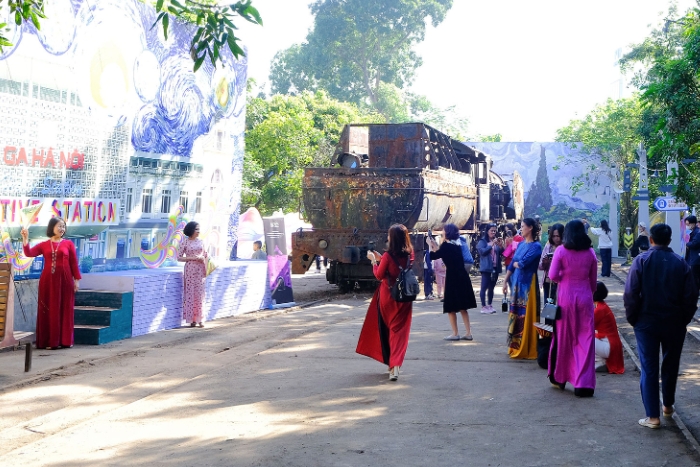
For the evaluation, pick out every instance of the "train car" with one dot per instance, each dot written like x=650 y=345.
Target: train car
x=385 y=174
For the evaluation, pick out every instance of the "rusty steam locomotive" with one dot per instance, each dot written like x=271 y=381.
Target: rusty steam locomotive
x=385 y=174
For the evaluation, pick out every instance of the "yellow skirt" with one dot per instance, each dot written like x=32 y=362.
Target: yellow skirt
x=528 y=341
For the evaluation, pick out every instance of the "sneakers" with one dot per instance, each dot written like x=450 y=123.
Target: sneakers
x=451 y=338
x=430 y=297
x=487 y=310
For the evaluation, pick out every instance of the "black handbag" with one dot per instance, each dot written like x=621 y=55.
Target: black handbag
x=551 y=310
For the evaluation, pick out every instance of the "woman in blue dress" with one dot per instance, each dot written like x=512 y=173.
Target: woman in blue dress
x=525 y=296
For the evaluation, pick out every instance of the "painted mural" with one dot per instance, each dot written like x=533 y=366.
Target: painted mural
x=560 y=181
x=100 y=105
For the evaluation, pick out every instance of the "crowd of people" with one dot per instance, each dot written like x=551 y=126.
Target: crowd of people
x=584 y=330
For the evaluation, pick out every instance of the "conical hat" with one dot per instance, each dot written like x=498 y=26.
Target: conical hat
x=29 y=214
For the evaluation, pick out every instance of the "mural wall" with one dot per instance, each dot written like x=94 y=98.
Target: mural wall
x=550 y=171
x=100 y=105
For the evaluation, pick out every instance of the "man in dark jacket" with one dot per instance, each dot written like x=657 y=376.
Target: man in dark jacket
x=692 y=248
x=660 y=300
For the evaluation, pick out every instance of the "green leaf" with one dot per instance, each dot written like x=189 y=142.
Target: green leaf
x=18 y=18
x=198 y=62
x=35 y=21
x=166 y=22
x=159 y=5
x=252 y=11
x=158 y=20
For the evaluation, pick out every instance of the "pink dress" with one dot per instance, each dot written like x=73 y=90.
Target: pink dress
x=573 y=344
x=194 y=276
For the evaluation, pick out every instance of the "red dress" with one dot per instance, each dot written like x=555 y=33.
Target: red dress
x=54 y=322
x=384 y=335
x=606 y=326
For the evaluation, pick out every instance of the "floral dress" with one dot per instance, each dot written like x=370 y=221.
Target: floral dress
x=194 y=276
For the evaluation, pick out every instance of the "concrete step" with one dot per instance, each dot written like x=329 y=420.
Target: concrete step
x=98 y=298
x=90 y=335
x=93 y=315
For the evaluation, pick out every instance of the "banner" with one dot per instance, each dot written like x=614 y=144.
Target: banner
x=76 y=212
x=278 y=265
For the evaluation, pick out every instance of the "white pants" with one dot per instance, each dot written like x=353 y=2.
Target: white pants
x=602 y=348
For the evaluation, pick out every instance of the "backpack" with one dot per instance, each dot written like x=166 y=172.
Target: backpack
x=406 y=287
x=466 y=254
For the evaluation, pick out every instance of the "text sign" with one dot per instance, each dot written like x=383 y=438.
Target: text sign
x=669 y=203
x=75 y=211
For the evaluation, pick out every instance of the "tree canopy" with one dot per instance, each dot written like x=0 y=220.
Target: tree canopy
x=356 y=48
x=668 y=66
x=216 y=29
x=285 y=134
x=608 y=134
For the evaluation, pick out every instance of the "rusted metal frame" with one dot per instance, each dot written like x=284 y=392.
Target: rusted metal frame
x=451 y=156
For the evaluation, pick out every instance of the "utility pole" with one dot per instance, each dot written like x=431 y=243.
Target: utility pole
x=643 y=190
x=613 y=208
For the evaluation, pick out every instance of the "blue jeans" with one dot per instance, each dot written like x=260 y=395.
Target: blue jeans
x=606 y=259
x=670 y=338
x=428 y=281
x=487 y=286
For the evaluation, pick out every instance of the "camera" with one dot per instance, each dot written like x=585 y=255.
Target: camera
x=370 y=247
x=430 y=233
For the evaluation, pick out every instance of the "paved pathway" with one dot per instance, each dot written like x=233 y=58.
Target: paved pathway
x=289 y=390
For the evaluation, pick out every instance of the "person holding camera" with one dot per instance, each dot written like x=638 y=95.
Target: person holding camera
x=490 y=248
x=384 y=335
x=459 y=294
x=572 y=354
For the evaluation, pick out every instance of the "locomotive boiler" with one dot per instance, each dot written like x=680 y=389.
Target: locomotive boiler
x=384 y=174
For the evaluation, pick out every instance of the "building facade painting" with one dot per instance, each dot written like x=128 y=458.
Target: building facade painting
x=100 y=105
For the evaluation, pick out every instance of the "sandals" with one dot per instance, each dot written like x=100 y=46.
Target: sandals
x=645 y=422
x=668 y=414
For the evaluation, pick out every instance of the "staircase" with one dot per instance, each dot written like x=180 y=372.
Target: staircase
x=102 y=316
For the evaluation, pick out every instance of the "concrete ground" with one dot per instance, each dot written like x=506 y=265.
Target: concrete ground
x=286 y=388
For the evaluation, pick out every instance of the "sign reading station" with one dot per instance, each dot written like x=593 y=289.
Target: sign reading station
x=75 y=211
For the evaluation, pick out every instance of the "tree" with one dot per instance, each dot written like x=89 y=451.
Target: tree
x=215 y=23
x=609 y=138
x=540 y=194
x=669 y=63
x=285 y=134
x=354 y=49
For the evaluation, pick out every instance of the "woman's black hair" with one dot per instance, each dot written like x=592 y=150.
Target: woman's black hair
x=451 y=231
x=601 y=292
x=575 y=237
x=604 y=225
x=52 y=225
x=534 y=225
x=488 y=227
x=510 y=227
x=190 y=228
x=556 y=227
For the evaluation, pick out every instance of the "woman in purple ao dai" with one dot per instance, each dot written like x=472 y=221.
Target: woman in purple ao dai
x=572 y=354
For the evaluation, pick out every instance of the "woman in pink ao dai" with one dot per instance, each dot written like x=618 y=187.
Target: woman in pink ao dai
x=191 y=252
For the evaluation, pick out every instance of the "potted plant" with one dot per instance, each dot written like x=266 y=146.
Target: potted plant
x=86 y=264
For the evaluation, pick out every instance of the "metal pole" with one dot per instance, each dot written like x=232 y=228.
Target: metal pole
x=674 y=218
x=613 y=222
x=643 y=190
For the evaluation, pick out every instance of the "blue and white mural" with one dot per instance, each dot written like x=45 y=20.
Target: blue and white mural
x=576 y=179
x=100 y=79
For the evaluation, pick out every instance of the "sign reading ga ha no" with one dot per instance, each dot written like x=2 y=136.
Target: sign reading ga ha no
x=75 y=211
